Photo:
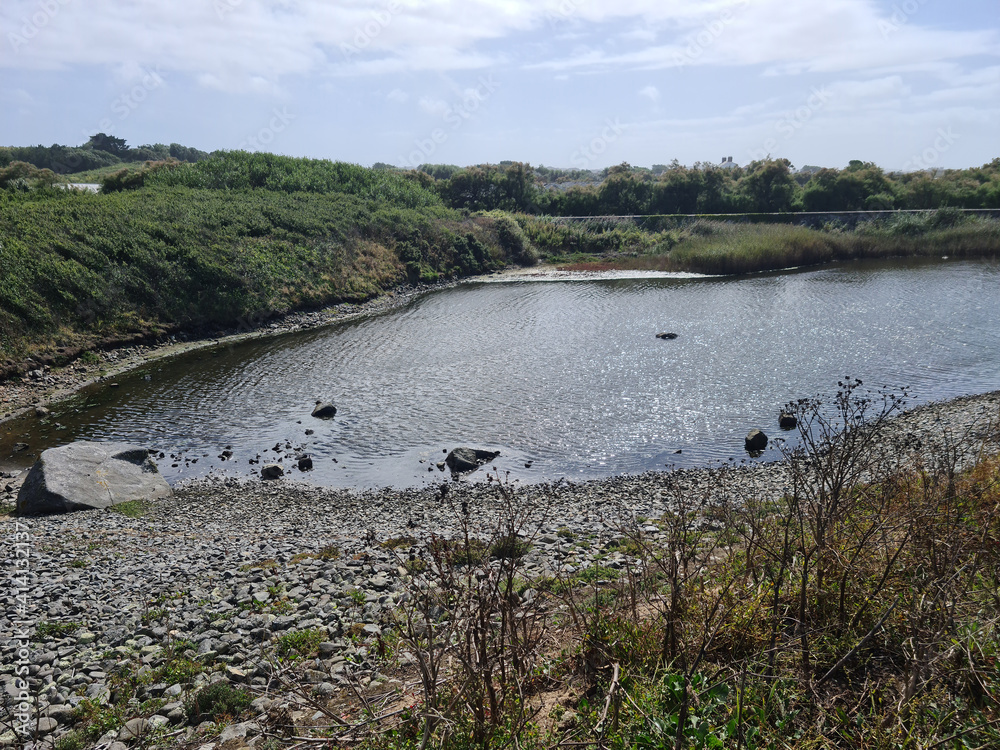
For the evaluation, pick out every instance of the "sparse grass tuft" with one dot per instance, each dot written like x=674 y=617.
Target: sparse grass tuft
x=49 y=629
x=132 y=508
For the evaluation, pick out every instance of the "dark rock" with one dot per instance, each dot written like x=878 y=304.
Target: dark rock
x=468 y=459
x=86 y=475
x=787 y=421
x=305 y=463
x=756 y=440
x=666 y=335
x=272 y=471
x=324 y=410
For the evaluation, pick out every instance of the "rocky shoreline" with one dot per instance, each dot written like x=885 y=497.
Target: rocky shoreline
x=224 y=575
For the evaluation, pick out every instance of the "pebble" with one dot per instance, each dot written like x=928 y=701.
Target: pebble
x=232 y=566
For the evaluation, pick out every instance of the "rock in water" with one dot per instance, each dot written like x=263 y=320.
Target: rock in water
x=468 y=459
x=756 y=440
x=86 y=475
x=324 y=410
x=669 y=335
x=787 y=421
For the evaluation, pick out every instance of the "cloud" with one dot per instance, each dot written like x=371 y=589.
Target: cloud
x=650 y=92
x=433 y=106
x=255 y=45
x=882 y=91
x=639 y=35
x=398 y=96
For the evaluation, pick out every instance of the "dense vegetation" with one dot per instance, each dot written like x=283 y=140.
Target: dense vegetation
x=761 y=186
x=179 y=239
x=715 y=246
x=100 y=151
x=237 y=238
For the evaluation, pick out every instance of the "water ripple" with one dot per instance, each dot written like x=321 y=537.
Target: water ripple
x=565 y=375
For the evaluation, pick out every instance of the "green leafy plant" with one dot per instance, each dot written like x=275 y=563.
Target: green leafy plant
x=299 y=643
x=50 y=629
x=218 y=701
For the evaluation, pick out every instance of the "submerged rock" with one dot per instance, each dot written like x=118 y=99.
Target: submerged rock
x=666 y=335
x=461 y=460
x=324 y=410
x=87 y=475
x=756 y=440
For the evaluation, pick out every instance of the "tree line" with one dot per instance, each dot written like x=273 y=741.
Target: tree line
x=768 y=186
x=101 y=150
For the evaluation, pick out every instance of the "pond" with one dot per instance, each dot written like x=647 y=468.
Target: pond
x=566 y=378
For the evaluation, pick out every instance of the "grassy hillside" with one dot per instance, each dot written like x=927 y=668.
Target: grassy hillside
x=212 y=244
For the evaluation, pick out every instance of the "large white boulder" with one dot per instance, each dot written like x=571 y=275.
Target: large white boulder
x=85 y=475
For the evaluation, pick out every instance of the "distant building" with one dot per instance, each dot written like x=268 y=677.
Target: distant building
x=728 y=163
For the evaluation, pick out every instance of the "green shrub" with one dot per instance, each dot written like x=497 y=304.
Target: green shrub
x=97 y=719
x=300 y=643
x=509 y=546
x=513 y=239
x=72 y=740
x=217 y=701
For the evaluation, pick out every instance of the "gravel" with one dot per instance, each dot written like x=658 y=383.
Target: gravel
x=227 y=568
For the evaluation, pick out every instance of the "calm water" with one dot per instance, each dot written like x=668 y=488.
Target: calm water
x=565 y=375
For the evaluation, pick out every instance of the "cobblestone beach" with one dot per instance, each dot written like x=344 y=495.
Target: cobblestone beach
x=226 y=571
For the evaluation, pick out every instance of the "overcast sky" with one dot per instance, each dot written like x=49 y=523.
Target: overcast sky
x=907 y=84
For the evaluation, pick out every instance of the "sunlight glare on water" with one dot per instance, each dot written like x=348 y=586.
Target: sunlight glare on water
x=566 y=375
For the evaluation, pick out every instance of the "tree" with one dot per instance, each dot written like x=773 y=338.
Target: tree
x=107 y=143
x=677 y=192
x=768 y=186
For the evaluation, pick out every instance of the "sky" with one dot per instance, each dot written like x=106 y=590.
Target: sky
x=907 y=84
